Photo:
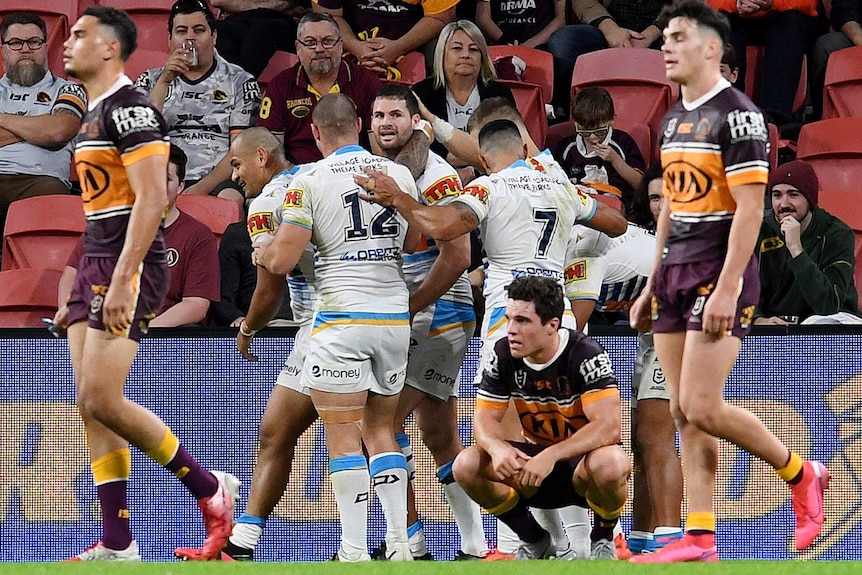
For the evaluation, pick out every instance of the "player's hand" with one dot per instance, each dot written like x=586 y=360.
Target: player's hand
x=719 y=312
x=61 y=319
x=259 y=247
x=381 y=188
x=424 y=111
x=536 y=470
x=117 y=307
x=177 y=65
x=506 y=460
x=243 y=344
x=640 y=314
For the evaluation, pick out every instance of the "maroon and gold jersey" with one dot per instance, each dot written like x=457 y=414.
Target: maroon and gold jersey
x=120 y=128
x=549 y=398
x=708 y=147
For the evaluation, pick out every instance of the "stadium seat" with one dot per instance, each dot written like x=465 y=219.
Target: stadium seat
x=834 y=149
x=411 y=67
x=640 y=133
x=215 y=212
x=279 y=62
x=610 y=201
x=41 y=232
x=635 y=78
x=151 y=18
x=753 y=65
x=142 y=60
x=540 y=66
x=59 y=15
x=27 y=296
x=528 y=98
x=842 y=90
x=847 y=206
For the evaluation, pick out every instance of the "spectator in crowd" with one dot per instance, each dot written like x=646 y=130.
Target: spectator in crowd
x=293 y=94
x=603 y=24
x=646 y=205
x=255 y=29
x=205 y=99
x=787 y=31
x=39 y=115
x=806 y=255
x=846 y=33
x=192 y=257
x=378 y=34
x=238 y=279
x=463 y=77
x=598 y=155
x=728 y=67
x=525 y=24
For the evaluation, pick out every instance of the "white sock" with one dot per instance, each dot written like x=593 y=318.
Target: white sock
x=246 y=535
x=349 y=477
x=645 y=535
x=667 y=530
x=507 y=540
x=549 y=519
x=416 y=536
x=576 y=522
x=389 y=478
x=468 y=516
x=407 y=450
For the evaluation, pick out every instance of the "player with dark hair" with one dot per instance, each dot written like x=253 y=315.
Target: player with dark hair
x=564 y=390
x=701 y=297
x=121 y=282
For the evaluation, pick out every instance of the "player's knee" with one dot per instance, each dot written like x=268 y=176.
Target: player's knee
x=609 y=466
x=466 y=465
x=95 y=406
x=705 y=417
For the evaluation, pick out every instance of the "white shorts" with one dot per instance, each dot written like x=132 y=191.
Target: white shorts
x=291 y=373
x=350 y=352
x=438 y=341
x=648 y=380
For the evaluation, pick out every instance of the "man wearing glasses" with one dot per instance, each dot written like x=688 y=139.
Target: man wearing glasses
x=205 y=99
x=39 y=115
x=293 y=94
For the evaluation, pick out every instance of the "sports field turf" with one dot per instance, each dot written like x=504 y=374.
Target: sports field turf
x=441 y=568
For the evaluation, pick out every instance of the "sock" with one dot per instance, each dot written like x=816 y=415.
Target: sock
x=549 y=519
x=407 y=450
x=467 y=514
x=111 y=477
x=349 y=477
x=604 y=522
x=792 y=471
x=389 y=478
x=576 y=522
x=416 y=538
x=515 y=513
x=640 y=541
x=171 y=455
x=507 y=540
x=700 y=523
x=247 y=531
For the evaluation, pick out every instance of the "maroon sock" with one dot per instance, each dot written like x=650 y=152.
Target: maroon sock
x=523 y=523
x=116 y=533
x=198 y=480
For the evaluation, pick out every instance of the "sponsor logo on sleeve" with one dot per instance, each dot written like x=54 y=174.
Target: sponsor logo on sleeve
x=479 y=192
x=132 y=119
x=576 y=271
x=596 y=368
x=293 y=199
x=444 y=187
x=260 y=223
x=747 y=125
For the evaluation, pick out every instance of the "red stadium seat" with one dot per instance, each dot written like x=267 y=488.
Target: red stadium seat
x=59 y=15
x=215 y=212
x=142 y=60
x=753 y=62
x=411 y=67
x=635 y=78
x=528 y=98
x=41 y=232
x=540 y=66
x=27 y=296
x=846 y=205
x=834 y=149
x=279 y=62
x=151 y=18
x=842 y=90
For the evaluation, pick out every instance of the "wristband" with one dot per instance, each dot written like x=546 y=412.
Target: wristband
x=242 y=330
x=443 y=130
x=426 y=127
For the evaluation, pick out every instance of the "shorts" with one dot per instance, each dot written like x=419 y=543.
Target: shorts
x=291 y=374
x=557 y=490
x=149 y=288
x=680 y=293
x=648 y=380
x=352 y=352
x=438 y=341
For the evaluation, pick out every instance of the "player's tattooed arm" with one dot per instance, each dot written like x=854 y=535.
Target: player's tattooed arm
x=414 y=154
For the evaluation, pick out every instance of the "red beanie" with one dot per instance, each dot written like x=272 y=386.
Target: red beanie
x=800 y=175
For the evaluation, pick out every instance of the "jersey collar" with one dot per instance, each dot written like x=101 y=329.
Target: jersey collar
x=348 y=149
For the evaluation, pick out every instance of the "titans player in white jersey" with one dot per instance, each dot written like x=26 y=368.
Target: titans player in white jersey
x=259 y=167
x=357 y=357
x=441 y=303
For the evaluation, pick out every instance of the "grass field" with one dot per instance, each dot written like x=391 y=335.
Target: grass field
x=440 y=568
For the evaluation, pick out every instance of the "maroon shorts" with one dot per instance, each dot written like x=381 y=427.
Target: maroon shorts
x=91 y=285
x=556 y=490
x=681 y=291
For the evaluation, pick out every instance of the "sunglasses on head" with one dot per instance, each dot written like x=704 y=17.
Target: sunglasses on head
x=186 y=6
